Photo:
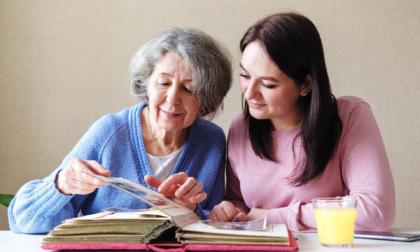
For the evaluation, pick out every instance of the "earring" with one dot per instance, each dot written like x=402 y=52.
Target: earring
x=304 y=94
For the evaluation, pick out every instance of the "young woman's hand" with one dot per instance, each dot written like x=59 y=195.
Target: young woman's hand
x=71 y=180
x=181 y=187
x=226 y=212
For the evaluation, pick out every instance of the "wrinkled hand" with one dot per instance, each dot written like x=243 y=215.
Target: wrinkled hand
x=181 y=187
x=226 y=212
x=71 y=180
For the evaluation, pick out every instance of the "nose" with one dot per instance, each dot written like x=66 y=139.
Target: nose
x=173 y=96
x=251 y=90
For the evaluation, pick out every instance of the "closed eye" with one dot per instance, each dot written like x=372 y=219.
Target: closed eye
x=163 y=82
x=269 y=86
x=189 y=91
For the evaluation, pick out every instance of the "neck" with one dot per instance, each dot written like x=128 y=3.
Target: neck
x=287 y=122
x=158 y=141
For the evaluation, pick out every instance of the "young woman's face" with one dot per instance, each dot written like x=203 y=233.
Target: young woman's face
x=269 y=92
x=171 y=102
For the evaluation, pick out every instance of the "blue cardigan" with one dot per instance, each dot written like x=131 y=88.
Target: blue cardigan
x=116 y=142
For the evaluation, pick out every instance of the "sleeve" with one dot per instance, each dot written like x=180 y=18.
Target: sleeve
x=39 y=206
x=233 y=185
x=298 y=216
x=366 y=174
x=233 y=189
x=215 y=194
x=366 y=170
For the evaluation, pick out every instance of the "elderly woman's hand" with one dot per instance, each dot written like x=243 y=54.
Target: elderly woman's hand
x=226 y=212
x=71 y=180
x=181 y=187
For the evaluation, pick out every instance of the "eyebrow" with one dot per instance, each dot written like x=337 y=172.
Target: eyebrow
x=169 y=75
x=269 y=78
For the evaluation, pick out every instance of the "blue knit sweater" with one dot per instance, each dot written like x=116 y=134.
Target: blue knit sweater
x=116 y=142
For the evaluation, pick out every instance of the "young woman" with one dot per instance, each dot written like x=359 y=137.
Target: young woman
x=295 y=141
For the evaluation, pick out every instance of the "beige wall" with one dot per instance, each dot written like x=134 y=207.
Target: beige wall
x=63 y=64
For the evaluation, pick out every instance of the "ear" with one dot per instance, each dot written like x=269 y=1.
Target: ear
x=306 y=86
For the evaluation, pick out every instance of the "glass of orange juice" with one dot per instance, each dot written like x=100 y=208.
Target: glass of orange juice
x=335 y=219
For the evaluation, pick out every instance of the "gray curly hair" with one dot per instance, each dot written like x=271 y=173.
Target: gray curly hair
x=209 y=62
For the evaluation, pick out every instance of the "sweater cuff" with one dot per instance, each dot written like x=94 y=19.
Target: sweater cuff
x=54 y=199
x=199 y=211
x=277 y=215
x=291 y=216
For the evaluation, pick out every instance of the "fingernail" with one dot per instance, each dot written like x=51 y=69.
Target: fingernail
x=235 y=220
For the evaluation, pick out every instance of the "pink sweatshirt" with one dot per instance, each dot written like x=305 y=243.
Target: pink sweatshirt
x=359 y=168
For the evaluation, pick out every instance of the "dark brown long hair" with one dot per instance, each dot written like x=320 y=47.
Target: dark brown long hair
x=293 y=43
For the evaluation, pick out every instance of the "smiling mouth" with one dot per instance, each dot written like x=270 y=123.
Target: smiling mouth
x=169 y=115
x=255 y=105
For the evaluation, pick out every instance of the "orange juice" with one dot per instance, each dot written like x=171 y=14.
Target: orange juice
x=335 y=226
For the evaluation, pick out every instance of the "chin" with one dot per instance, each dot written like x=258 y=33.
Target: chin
x=258 y=116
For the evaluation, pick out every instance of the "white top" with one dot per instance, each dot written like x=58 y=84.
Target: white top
x=163 y=166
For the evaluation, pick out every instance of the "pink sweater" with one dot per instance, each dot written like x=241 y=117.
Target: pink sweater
x=359 y=168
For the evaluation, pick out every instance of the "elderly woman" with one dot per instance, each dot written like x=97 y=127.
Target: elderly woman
x=182 y=77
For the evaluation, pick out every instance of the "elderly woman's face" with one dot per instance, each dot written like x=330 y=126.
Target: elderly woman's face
x=171 y=102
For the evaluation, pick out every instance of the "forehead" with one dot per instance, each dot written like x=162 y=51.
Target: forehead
x=172 y=64
x=255 y=58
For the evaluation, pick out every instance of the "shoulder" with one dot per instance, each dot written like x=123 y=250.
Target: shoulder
x=350 y=101
x=207 y=138
x=238 y=120
x=117 y=119
x=208 y=130
x=355 y=113
x=112 y=120
x=348 y=105
x=110 y=123
x=237 y=126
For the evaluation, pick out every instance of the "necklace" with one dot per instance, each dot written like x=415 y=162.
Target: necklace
x=155 y=142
